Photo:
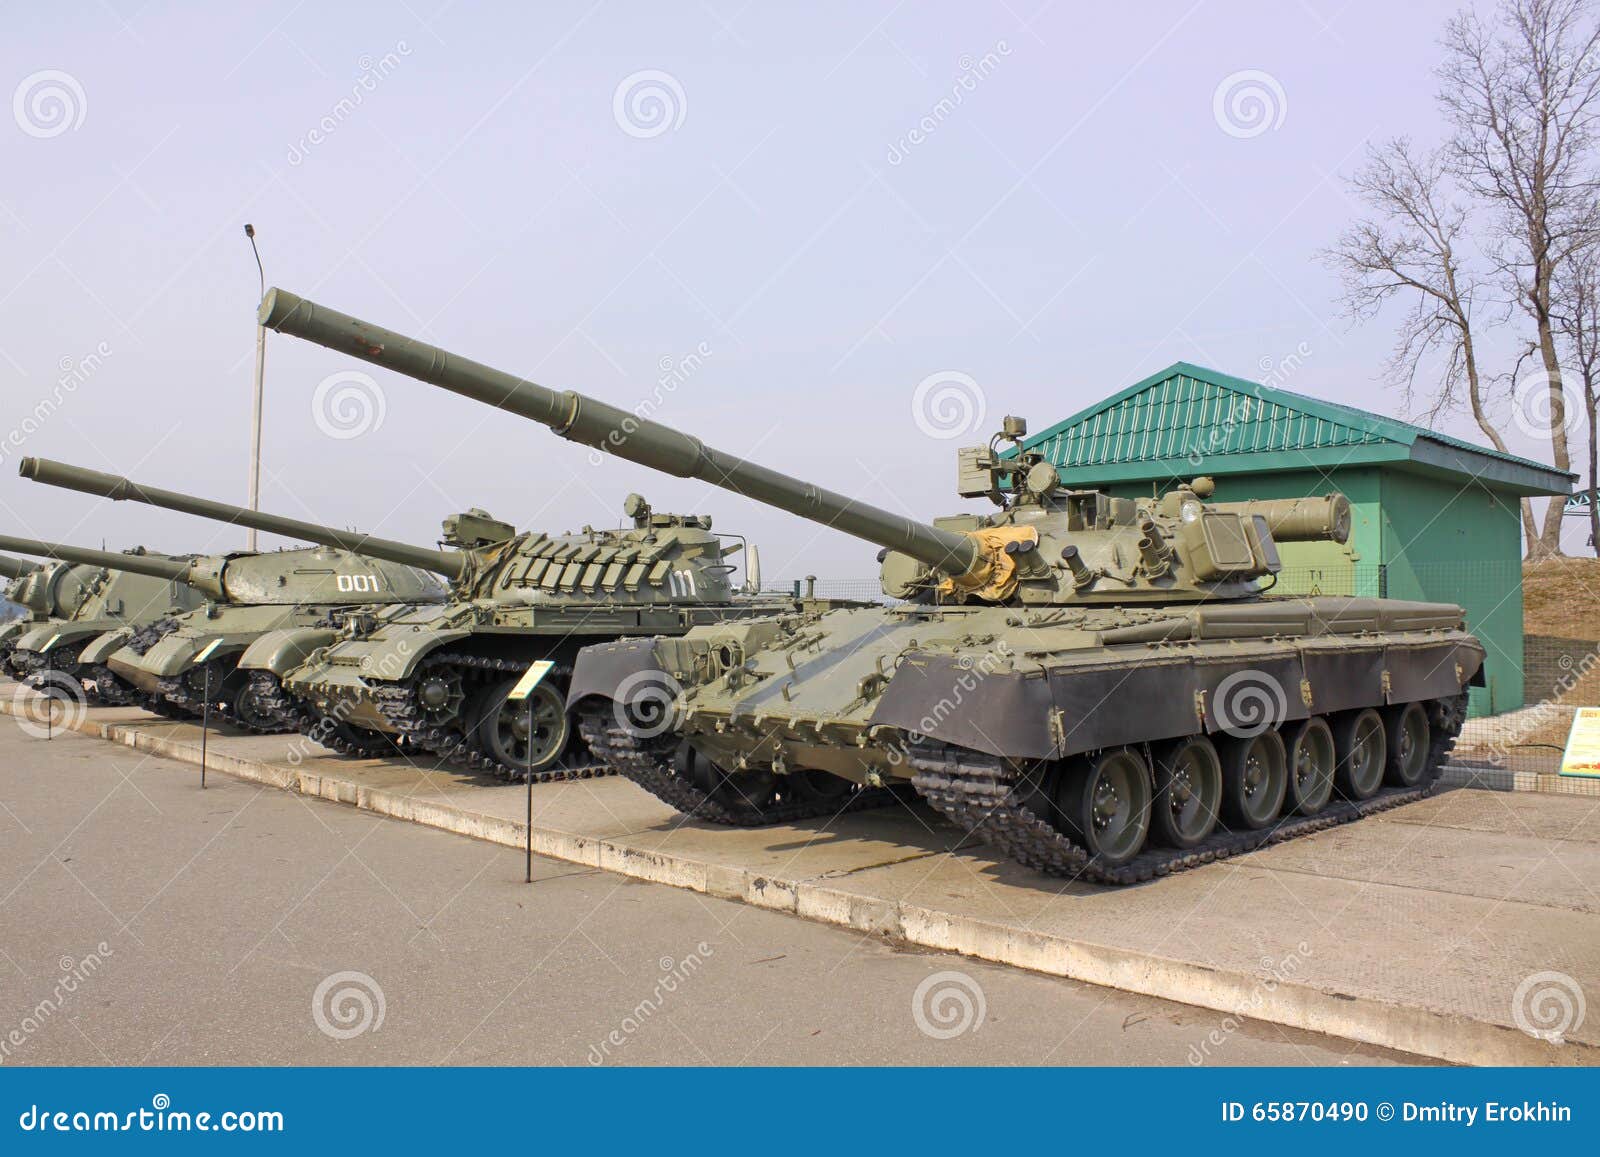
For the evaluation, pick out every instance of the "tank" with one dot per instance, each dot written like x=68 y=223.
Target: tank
x=438 y=674
x=1103 y=687
x=81 y=605
x=233 y=600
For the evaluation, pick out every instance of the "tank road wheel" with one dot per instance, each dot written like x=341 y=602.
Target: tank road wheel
x=503 y=732
x=1188 y=792
x=1409 y=737
x=440 y=693
x=1359 y=743
x=819 y=787
x=1311 y=764
x=1105 y=801
x=1255 y=778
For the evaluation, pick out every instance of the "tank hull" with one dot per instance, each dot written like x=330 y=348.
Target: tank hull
x=887 y=696
x=432 y=675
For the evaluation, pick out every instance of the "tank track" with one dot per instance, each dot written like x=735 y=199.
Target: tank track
x=321 y=729
x=399 y=704
x=648 y=763
x=175 y=689
x=979 y=794
x=110 y=688
x=149 y=635
x=33 y=666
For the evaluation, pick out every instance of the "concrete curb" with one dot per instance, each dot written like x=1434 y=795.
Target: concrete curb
x=1407 y=1028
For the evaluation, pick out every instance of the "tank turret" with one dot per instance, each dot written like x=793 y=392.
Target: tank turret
x=1048 y=545
x=450 y=564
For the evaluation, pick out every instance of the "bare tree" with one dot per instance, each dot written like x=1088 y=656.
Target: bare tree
x=1523 y=99
x=1576 y=307
x=1411 y=248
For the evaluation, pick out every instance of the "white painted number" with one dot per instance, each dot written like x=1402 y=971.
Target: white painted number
x=683 y=585
x=359 y=583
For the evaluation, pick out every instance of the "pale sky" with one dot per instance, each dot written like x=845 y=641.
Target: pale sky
x=583 y=193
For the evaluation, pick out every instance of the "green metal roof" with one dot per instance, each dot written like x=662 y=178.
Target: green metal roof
x=1188 y=419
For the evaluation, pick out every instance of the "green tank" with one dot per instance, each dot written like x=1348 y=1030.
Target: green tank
x=242 y=596
x=1103 y=687
x=85 y=609
x=438 y=674
x=16 y=594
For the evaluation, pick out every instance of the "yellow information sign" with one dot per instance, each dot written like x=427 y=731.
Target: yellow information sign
x=530 y=679
x=1582 y=756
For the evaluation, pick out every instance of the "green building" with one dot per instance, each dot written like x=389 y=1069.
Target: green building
x=1434 y=517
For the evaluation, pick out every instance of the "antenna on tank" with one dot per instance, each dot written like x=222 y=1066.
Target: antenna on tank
x=255 y=413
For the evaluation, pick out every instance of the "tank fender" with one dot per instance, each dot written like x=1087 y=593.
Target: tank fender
x=10 y=632
x=176 y=653
x=106 y=645
x=393 y=653
x=53 y=635
x=1001 y=713
x=1079 y=707
x=283 y=650
x=604 y=668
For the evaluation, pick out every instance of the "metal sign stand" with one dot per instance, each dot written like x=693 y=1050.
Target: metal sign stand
x=524 y=691
x=204 y=659
x=49 y=702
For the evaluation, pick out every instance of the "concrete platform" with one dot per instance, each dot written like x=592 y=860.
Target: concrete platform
x=1414 y=930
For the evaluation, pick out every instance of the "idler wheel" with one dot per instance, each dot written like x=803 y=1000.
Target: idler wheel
x=1105 y=804
x=1188 y=792
x=505 y=734
x=736 y=790
x=1409 y=738
x=248 y=709
x=1255 y=779
x=1312 y=760
x=1360 y=744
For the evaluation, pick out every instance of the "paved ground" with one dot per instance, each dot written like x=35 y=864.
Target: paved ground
x=197 y=927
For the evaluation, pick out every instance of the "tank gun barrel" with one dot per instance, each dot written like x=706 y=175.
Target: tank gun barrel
x=152 y=565
x=449 y=563
x=15 y=568
x=611 y=430
x=1300 y=519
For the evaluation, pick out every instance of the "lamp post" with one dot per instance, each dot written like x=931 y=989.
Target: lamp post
x=255 y=414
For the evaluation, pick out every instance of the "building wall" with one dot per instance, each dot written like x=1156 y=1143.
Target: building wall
x=1412 y=537
x=1457 y=543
